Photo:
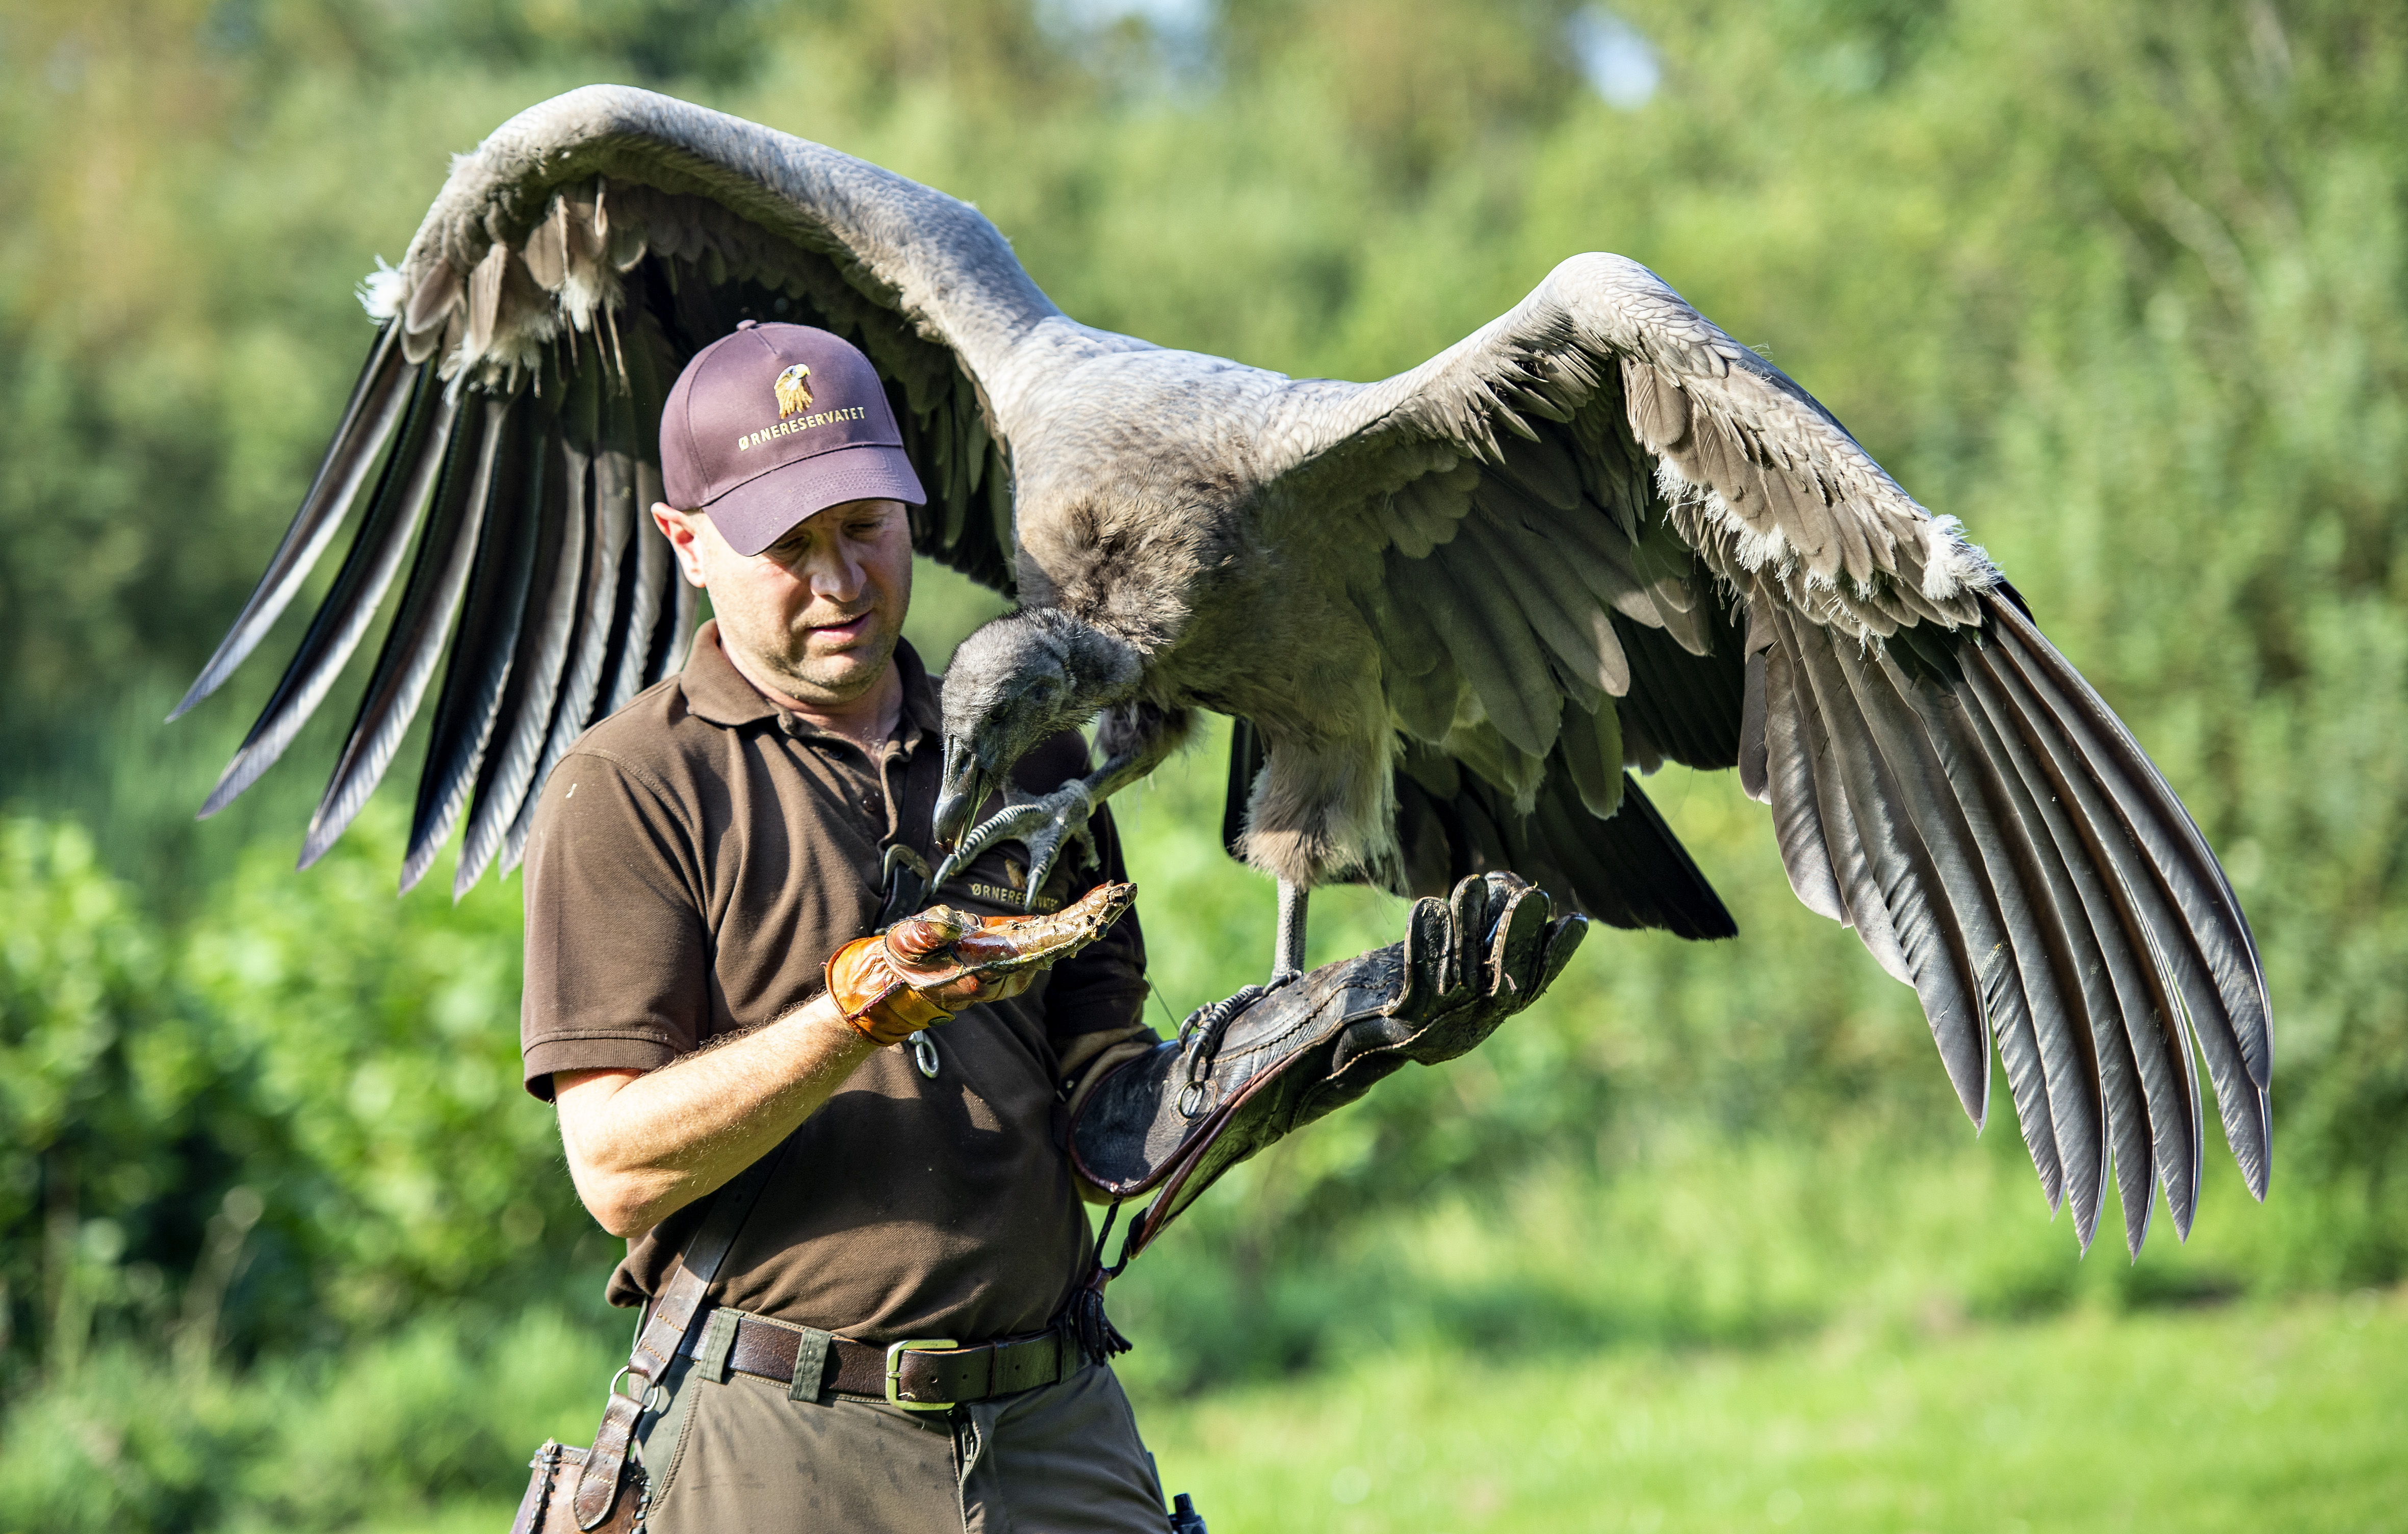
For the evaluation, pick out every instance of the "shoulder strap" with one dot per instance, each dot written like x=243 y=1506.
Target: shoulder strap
x=675 y=1310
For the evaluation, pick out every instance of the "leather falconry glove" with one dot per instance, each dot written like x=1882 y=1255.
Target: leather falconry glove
x=1261 y=1064
x=921 y=970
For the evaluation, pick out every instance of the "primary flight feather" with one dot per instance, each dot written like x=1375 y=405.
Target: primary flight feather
x=1451 y=610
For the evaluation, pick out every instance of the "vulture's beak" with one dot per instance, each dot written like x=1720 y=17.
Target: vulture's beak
x=964 y=787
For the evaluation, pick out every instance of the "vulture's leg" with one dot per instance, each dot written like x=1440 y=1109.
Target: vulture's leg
x=1320 y=808
x=1287 y=949
x=1136 y=739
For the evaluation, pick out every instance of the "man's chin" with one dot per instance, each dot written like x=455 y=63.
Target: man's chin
x=843 y=673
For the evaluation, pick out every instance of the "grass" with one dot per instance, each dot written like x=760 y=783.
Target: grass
x=2282 y=1417
x=2244 y=1417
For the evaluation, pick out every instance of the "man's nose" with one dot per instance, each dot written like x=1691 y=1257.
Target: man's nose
x=837 y=578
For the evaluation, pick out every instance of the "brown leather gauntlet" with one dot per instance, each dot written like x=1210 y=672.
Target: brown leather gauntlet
x=887 y=985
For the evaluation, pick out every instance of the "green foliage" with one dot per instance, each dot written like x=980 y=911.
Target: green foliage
x=295 y=1120
x=414 y=1169
x=97 y=1084
x=377 y=1436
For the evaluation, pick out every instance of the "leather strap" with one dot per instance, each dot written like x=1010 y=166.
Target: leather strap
x=666 y=1333
x=922 y=1377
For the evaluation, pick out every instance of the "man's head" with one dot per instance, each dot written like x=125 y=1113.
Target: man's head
x=786 y=482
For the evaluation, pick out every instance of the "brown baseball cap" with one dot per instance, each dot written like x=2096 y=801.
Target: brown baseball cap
x=775 y=422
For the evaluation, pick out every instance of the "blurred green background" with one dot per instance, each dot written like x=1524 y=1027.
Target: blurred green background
x=1701 y=1241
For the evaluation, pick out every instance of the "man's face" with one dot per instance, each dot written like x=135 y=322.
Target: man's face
x=815 y=615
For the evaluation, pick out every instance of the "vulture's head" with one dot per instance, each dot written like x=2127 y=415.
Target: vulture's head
x=1024 y=677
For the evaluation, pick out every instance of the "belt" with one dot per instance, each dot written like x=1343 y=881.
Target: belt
x=920 y=1374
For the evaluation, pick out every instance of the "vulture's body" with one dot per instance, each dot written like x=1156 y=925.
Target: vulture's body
x=1451 y=608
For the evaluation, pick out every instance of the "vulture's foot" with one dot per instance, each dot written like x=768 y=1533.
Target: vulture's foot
x=1048 y=824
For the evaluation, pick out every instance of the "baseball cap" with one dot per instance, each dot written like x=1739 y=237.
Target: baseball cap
x=772 y=423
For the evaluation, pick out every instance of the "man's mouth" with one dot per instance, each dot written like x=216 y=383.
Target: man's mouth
x=847 y=632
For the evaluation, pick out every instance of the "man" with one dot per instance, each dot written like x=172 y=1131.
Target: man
x=696 y=860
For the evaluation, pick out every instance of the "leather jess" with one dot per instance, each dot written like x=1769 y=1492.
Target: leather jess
x=1249 y=1071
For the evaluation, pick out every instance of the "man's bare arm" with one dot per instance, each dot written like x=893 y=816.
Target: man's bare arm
x=644 y=1145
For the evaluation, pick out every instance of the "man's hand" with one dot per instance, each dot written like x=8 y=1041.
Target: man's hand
x=926 y=968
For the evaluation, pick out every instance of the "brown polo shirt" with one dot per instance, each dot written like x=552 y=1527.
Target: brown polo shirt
x=696 y=859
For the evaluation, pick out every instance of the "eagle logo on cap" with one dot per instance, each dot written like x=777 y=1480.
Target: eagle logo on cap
x=794 y=391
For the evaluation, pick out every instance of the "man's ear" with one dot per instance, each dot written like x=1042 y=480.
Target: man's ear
x=683 y=536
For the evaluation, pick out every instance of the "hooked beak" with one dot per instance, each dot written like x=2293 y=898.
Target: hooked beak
x=964 y=787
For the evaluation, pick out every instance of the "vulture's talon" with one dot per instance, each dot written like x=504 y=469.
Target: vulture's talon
x=1045 y=823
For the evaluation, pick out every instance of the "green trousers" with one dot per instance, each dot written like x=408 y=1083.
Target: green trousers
x=740 y=1458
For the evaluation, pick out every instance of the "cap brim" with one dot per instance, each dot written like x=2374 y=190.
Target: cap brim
x=765 y=509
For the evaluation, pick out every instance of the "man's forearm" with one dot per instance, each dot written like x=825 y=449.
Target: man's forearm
x=642 y=1146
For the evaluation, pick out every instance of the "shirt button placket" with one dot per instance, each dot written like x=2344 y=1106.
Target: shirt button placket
x=885 y=798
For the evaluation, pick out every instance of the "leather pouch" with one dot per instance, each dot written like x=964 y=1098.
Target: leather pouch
x=548 y=1506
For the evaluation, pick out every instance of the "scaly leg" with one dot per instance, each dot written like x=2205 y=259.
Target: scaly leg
x=1287 y=949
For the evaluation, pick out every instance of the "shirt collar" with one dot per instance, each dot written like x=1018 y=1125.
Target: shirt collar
x=717 y=692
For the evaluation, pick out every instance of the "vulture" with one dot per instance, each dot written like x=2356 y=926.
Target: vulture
x=1452 y=612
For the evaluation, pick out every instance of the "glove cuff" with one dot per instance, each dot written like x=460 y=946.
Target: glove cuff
x=1246 y=1071
x=873 y=997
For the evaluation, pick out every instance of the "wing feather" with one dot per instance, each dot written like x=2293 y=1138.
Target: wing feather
x=1492 y=646
x=1575 y=630
x=2178 y=908
x=343 y=618
x=1627 y=870
x=495 y=610
x=2102 y=940
x=445 y=547
x=609 y=524
x=676 y=602
x=378 y=403
x=1807 y=845
x=2039 y=967
x=1591 y=749
x=652 y=589
x=643 y=558
x=2151 y=812
x=1688 y=706
x=506 y=779
x=1906 y=876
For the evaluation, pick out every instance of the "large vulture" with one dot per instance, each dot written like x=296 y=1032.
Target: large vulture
x=1453 y=609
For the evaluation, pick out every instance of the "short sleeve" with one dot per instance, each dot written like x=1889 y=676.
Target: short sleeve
x=618 y=956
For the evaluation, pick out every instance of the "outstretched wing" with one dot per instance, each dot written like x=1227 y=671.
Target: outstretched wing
x=508 y=421
x=1602 y=532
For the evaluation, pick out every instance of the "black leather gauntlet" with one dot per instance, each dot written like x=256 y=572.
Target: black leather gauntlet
x=1248 y=1070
